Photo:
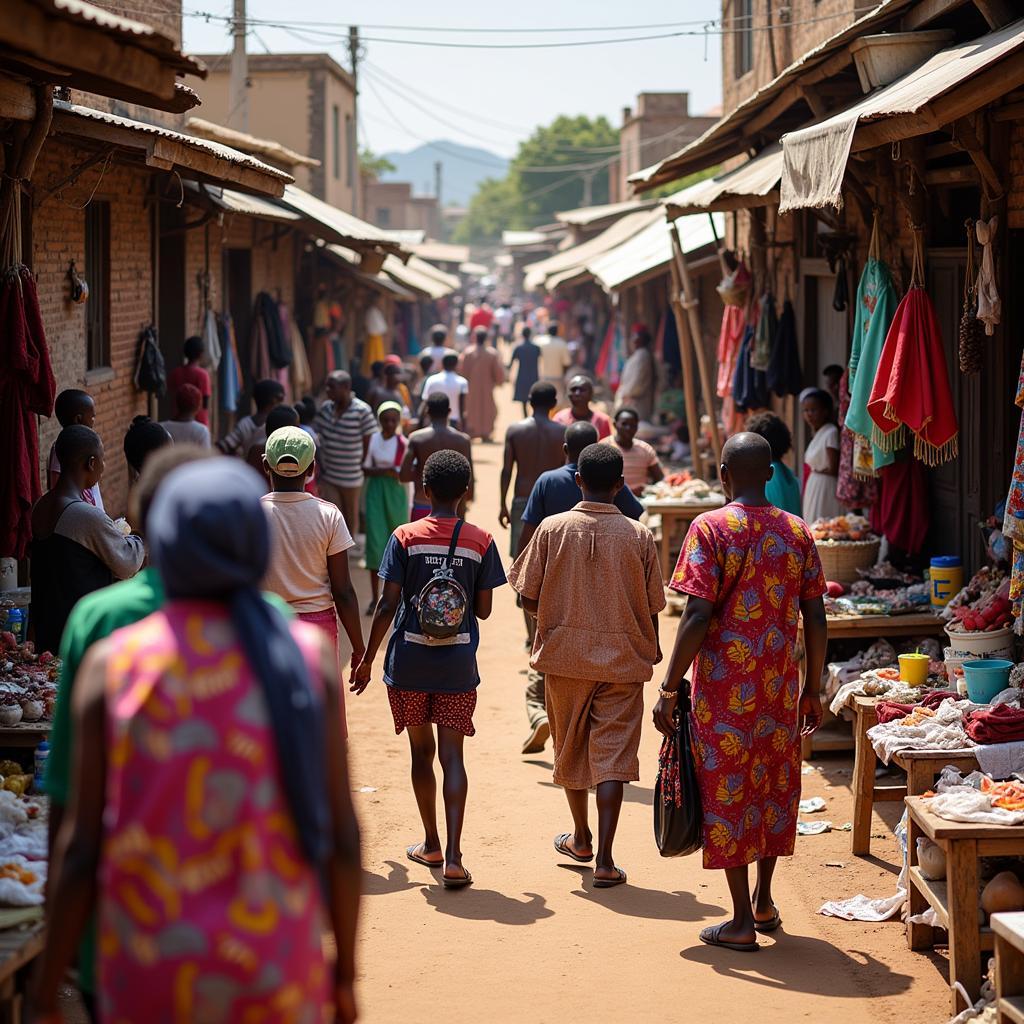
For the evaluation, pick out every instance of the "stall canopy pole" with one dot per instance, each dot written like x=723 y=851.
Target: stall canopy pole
x=686 y=361
x=690 y=303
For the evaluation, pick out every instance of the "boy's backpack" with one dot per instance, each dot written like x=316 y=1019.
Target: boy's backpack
x=443 y=602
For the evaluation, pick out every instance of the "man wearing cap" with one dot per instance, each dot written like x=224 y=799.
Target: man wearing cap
x=308 y=563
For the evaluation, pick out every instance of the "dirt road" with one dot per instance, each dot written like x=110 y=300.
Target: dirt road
x=530 y=941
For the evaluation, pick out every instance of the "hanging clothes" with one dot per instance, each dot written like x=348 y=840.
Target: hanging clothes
x=300 y=378
x=229 y=373
x=279 y=350
x=990 y=306
x=911 y=390
x=764 y=334
x=876 y=304
x=901 y=513
x=211 y=340
x=784 y=375
x=853 y=490
x=730 y=337
x=750 y=386
x=1013 y=516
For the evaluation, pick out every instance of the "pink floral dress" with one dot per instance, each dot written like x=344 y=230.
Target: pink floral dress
x=208 y=911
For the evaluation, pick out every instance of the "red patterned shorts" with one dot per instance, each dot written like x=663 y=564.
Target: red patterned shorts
x=452 y=710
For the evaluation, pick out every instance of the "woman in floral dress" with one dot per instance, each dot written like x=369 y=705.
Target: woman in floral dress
x=750 y=571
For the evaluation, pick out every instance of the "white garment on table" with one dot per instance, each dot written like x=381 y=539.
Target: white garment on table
x=450 y=383
x=820 y=501
x=1000 y=760
x=942 y=732
x=965 y=803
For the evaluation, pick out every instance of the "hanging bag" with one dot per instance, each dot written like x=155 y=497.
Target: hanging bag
x=443 y=602
x=678 y=816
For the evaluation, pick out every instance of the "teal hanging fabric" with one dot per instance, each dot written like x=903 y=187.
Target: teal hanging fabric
x=876 y=306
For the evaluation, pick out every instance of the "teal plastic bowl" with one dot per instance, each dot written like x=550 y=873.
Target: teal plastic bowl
x=986 y=677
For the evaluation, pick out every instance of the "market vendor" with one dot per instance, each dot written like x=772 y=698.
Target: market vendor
x=641 y=465
x=76 y=547
x=821 y=457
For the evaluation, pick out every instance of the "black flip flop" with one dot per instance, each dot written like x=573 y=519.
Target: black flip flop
x=610 y=883
x=418 y=858
x=764 y=927
x=562 y=846
x=457 y=883
x=710 y=936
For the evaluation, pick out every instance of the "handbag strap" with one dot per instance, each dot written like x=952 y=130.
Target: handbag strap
x=453 y=545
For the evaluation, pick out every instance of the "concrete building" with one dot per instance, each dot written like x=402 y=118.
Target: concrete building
x=659 y=124
x=391 y=205
x=307 y=102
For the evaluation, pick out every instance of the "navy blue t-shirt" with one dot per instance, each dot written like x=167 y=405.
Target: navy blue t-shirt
x=556 y=491
x=418 y=662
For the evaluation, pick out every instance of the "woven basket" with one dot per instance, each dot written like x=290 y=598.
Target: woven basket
x=840 y=560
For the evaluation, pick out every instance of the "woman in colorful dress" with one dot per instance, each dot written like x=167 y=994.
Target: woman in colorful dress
x=750 y=571
x=211 y=824
x=387 y=499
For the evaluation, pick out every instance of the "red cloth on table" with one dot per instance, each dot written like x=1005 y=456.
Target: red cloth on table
x=911 y=386
x=891 y=710
x=27 y=390
x=901 y=511
x=998 y=724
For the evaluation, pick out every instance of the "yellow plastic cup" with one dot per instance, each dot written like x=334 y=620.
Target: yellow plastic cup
x=914 y=669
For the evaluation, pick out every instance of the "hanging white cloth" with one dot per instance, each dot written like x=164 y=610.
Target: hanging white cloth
x=211 y=340
x=990 y=306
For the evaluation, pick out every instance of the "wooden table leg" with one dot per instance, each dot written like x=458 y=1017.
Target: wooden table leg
x=666 y=553
x=1009 y=974
x=964 y=930
x=919 y=936
x=863 y=786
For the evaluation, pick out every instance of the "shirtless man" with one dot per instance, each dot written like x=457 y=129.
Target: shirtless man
x=439 y=436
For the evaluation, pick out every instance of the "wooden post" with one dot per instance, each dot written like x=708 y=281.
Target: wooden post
x=686 y=361
x=690 y=303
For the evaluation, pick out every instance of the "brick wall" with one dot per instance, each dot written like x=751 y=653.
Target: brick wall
x=58 y=236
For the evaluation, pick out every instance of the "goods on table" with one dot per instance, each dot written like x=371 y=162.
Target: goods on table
x=989 y=611
x=980 y=589
x=1004 y=893
x=845 y=546
x=842 y=528
x=28 y=682
x=1008 y=795
x=688 y=491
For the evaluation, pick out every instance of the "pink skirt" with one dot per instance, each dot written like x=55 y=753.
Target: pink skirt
x=327 y=622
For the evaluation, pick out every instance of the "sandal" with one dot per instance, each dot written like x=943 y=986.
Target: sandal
x=771 y=924
x=412 y=852
x=457 y=883
x=610 y=883
x=562 y=846
x=710 y=936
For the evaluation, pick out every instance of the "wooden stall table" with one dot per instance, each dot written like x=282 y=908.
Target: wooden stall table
x=1009 y=933
x=25 y=734
x=868 y=628
x=921 y=767
x=674 y=515
x=19 y=946
x=955 y=899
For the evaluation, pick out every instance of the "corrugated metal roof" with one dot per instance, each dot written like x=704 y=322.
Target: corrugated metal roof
x=412 y=275
x=756 y=179
x=592 y=214
x=248 y=143
x=254 y=206
x=340 y=226
x=441 y=252
x=815 y=157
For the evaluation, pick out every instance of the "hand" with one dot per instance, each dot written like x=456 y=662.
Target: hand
x=504 y=519
x=360 y=677
x=357 y=657
x=810 y=712
x=344 y=1003
x=663 y=715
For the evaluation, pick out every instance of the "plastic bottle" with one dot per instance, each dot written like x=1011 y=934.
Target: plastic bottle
x=16 y=624
x=42 y=756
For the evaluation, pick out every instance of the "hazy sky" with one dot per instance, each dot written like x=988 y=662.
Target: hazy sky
x=492 y=98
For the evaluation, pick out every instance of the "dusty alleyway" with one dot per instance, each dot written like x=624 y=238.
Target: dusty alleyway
x=531 y=942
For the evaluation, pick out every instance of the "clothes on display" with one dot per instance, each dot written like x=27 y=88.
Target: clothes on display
x=853 y=490
x=785 y=377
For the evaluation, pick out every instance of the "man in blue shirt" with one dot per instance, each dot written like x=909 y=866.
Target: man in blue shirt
x=556 y=491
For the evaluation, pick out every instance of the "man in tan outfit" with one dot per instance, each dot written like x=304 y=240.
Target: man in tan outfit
x=595 y=664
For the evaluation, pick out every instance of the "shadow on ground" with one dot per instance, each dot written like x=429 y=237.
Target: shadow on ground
x=635 y=901
x=475 y=904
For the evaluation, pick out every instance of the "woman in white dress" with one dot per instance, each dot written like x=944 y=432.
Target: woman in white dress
x=821 y=457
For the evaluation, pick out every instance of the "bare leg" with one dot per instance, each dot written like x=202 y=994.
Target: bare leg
x=424 y=785
x=741 y=928
x=456 y=788
x=609 y=803
x=764 y=905
x=582 y=843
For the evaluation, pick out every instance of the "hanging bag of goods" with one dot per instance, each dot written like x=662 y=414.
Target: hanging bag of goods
x=678 y=815
x=911 y=389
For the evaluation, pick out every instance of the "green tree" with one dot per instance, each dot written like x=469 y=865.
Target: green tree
x=495 y=207
x=372 y=165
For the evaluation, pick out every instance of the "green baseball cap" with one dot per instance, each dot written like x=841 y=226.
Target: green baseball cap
x=290 y=451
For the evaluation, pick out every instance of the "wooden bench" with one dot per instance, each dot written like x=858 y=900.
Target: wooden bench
x=18 y=948
x=955 y=899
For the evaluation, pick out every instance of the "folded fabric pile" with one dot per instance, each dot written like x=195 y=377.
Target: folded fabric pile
x=944 y=730
x=999 y=724
x=965 y=803
x=891 y=710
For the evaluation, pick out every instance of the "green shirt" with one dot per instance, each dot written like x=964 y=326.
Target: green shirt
x=783 y=490
x=93 y=619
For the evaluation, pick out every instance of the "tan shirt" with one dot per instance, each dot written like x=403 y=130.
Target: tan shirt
x=597 y=579
x=304 y=531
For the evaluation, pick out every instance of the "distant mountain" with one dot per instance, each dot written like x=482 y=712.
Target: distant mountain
x=463 y=168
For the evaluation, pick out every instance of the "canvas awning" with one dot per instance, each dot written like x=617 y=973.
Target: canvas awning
x=951 y=84
x=563 y=266
x=421 y=277
x=335 y=225
x=649 y=252
x=72 y=43
x=755 y=183
x=587 y=216
x=270 y=148
x=441 y=252
x=350 y=259
x=163 y=149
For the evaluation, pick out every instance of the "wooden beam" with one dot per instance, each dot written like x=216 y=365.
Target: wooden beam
x=952 y=176
x=814 y=101
x=996 y=12
x=1009 y=112
x=725 y=204
x=928 y=11
x=968 y=136
x=17 y=100
x=686 y=359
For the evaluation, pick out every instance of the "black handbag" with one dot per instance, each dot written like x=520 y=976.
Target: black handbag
x=678 y=817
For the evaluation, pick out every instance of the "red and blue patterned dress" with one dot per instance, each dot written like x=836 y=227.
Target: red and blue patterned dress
x=755 y=564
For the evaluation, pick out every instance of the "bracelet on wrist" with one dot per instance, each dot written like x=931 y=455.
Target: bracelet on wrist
x=668 y=694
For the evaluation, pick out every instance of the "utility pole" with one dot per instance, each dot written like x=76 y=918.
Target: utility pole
x=353 y=142
x=588 y=187
x=438 y=167
x=238 y=92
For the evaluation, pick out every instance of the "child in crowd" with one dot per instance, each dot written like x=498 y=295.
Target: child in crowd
x=143 y=437
x=430 y=681
x=73 y=408
x=186 y=427
x=640 y=462
x=783 y=489
x=309 y=555
x=278 y=417
x=594 y=667
x=387 y=499
x=190 y=372
x=250 y=430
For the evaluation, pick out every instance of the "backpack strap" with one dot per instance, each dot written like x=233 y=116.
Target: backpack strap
x=454 y=544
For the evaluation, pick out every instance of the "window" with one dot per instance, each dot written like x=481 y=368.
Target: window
x=383 y=217
x=350 y=151
x=743 y=24
x=336 y=132
x=97 y=275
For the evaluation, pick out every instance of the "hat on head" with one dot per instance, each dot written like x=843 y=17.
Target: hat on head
x=393 y=360
x=290 y=451
x=388 y=407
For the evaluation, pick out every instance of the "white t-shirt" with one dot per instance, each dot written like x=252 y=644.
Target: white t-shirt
x=305 y=531
x=437 y=353
x=452 y=384
x=188 y=432
x=382 y=453
x=554 y=356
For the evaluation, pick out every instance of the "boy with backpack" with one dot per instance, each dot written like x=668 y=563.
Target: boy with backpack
x=439 y=574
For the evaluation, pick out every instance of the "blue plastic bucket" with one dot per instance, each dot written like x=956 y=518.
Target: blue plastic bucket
x=985 y=678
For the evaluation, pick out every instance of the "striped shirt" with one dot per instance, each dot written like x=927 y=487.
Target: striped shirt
x=341 y=442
